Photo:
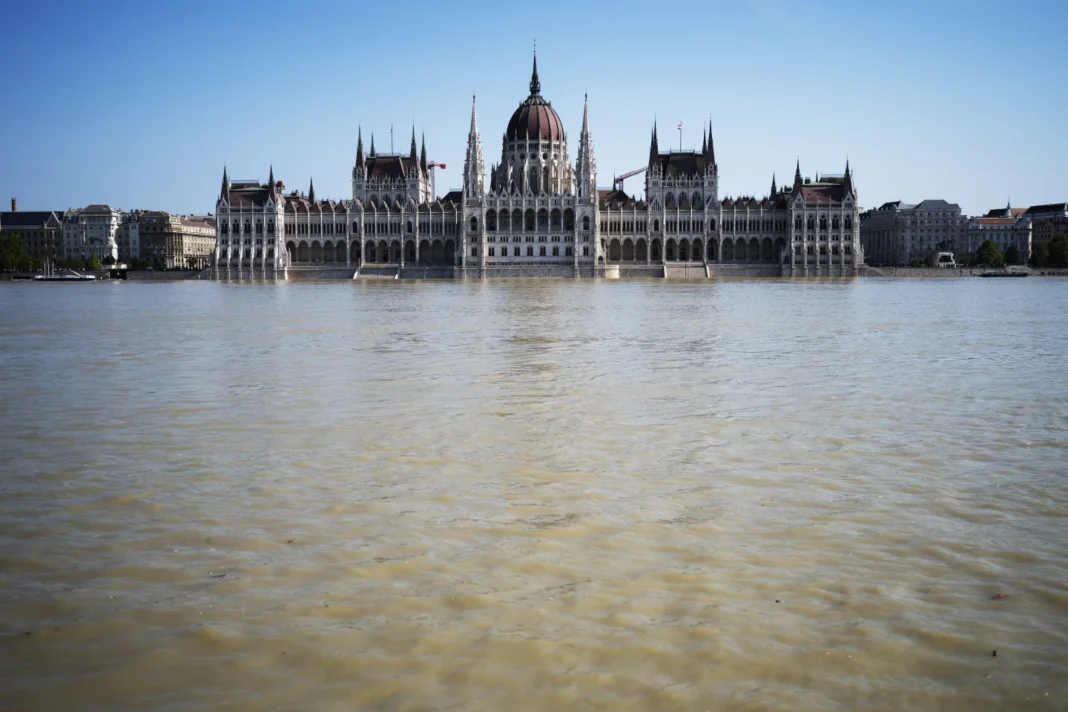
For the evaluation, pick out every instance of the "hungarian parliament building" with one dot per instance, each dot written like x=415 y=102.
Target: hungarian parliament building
x=537 y=213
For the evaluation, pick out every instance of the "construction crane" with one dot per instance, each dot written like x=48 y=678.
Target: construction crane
x=629 y=174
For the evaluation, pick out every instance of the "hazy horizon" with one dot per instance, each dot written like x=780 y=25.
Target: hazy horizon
x=140 y=106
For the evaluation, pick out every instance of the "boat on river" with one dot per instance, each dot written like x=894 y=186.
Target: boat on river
x=50 y=275
x=1003 y=274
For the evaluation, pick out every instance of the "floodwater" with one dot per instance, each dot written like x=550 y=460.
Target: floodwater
x=534 y=495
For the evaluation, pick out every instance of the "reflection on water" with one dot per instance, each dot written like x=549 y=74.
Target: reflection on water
x=539 y=495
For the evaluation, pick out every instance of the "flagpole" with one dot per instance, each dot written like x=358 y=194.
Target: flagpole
x=680 y=137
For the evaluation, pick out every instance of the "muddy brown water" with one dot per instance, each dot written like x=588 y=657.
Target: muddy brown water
x=524 y=495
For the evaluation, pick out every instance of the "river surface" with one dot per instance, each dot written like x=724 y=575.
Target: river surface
x=534 y=495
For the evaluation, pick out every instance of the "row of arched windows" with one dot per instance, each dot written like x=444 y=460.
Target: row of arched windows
x=529 y=220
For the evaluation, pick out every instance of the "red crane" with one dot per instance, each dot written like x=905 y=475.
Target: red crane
x=435 y=164
x=628 y=174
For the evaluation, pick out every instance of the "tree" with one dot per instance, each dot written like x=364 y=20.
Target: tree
x=1040 y=256
x=109 y=260
x=989 y=254
x=13 y=253
x=1058 y=251
x=92 y=262
x=1012 y=255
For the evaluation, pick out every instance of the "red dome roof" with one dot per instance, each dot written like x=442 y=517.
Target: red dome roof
x=535 y=119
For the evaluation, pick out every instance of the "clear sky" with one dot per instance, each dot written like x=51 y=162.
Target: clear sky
x=139 y=104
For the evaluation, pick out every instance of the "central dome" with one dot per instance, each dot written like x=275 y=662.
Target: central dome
x=535 y=119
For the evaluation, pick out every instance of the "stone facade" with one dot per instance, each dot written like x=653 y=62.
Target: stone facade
x=41 y=231
x=537 y=213
x=1047 y=221
x=1005 y=227
x=92 y=230
x=901 y=234
x=174 y=241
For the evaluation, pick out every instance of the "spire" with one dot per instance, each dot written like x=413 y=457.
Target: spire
x=474 y=167
x=413 y=157
x=711 y=146
x=773 y=189
x=225 y=183
x=704 y=141
x=585 y=116
x=849 y=180
x=473 y=131
x=359 y=147
x=311 y=189
x=372 y=153
x=270 y=178
x=535 y=83
x=654 y=149
x=587 y=164
x=797 y=173
x=422 y=155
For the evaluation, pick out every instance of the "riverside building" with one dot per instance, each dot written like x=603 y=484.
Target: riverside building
x=535 y=212
x=1005 y=227
x=41 y=230
x=901 y=234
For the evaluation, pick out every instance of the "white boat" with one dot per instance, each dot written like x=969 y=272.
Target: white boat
x=50 y=275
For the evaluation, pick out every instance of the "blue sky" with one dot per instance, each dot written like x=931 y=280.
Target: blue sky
x=139 y=104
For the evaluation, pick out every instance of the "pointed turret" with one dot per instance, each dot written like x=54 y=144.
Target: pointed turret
x=372 y=153
x=225 y=192
x=850 y=189
x=797 y=176
x=774 y=190
x=474 y=166
x=311 y=190
x=586 y=169
x=359 y=148
x=711 y=145
x=654 y=149
x=422 y=155
x=270 y=177
x=704 y=141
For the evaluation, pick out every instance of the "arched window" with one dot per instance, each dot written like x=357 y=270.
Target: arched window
x=474 y=224
x=409 y=226
x=491 y=219
x=656 y=226
x=797 y=223
x=811 y=223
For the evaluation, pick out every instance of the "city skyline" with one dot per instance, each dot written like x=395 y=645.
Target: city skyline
x=141 y=107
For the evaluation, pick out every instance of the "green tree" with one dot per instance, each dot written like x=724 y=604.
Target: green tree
x=1012 y=255
x=13 y=253
x=1040 y=256
x=1058 y=251
x=92 y=262
x=989 y=254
